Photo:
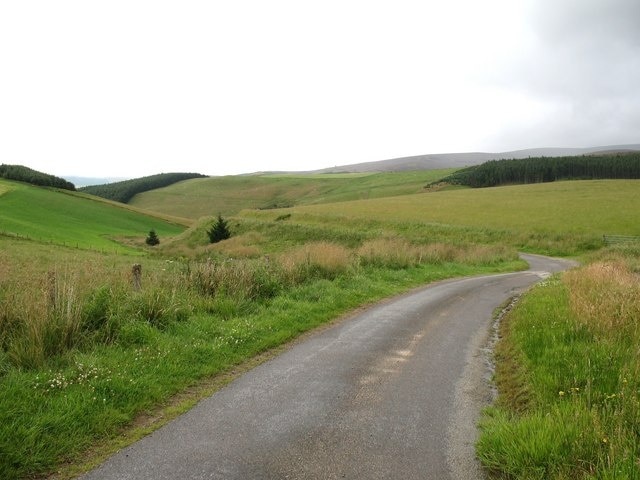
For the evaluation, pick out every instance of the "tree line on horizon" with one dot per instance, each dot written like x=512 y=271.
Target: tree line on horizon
x=24 y=174
x=125 y=190
x=548 y=169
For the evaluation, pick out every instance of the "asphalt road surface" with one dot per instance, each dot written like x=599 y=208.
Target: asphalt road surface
x=393 y=392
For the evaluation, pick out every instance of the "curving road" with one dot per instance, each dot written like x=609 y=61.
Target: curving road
x=392 y=392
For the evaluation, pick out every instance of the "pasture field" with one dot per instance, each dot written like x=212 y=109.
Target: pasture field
x=582 y=207
x=229 y=195
x=70 y=219
x=560 y=218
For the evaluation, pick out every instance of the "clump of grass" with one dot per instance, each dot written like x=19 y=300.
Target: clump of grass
x=573 y=408
x=241 y=246
x=400 y=253
x=438 y=253
x=243 y=279
x=157 y=306
x=315 y=260
x=67 y=309
x=390 y=253
x=605 y=297
x=37 y=327
x=486 y=254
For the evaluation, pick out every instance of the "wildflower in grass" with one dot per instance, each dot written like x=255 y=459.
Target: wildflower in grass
x=561 y=393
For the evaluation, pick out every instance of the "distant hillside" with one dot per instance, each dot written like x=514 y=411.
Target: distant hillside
x=34 y=177
x=127 y=189
x=608 y=165
x=73 y=219
x=460 y=160
x=230 y=194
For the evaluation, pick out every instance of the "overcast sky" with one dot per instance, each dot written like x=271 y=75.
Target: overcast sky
x=131 y=88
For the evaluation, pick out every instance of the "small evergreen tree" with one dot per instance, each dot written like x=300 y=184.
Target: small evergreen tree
x=152 y=239
x=219 y=230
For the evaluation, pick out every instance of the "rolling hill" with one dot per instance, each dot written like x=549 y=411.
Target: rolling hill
x=72 y=219
x=555 y=218
x=125 y=190
x=229 y=195
x=460 y=160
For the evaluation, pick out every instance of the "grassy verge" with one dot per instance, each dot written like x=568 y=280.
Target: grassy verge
x=568 y=376
x=83 y=353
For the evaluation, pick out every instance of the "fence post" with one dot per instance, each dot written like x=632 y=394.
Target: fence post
x=136 y=275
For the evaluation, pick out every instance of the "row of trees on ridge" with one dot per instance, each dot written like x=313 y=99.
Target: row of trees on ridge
x=127 y=189
x=548 y=169
x=24 y=174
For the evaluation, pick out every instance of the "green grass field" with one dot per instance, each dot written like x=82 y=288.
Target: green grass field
x=592 y=207
x=229 y=195
x=64 y=218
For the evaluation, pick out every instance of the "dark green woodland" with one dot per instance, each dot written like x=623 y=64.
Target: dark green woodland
x=548 y=169
x=127 y=189
x=27 y=175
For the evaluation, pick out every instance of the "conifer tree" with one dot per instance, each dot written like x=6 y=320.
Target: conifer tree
x=152 y=239
x=219 y=230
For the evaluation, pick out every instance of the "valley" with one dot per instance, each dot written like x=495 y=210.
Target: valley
x=88 y=362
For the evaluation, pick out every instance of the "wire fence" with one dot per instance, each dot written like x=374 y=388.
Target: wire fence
x=620 y=239
x=63 y=243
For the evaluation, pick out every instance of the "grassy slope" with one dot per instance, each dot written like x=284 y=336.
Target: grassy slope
x=596 y=207
x=62 y=218
x=229 y=195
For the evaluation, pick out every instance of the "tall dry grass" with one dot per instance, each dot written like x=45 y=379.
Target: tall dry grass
x=46 y=310
x=390 y=252
x=485 y=254
x=315 y=259
x=44 y=314
x=605 y=297
x=399 y=253
x=39 y=321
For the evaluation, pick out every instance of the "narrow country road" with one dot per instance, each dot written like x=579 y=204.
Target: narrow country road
x=393 y=392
